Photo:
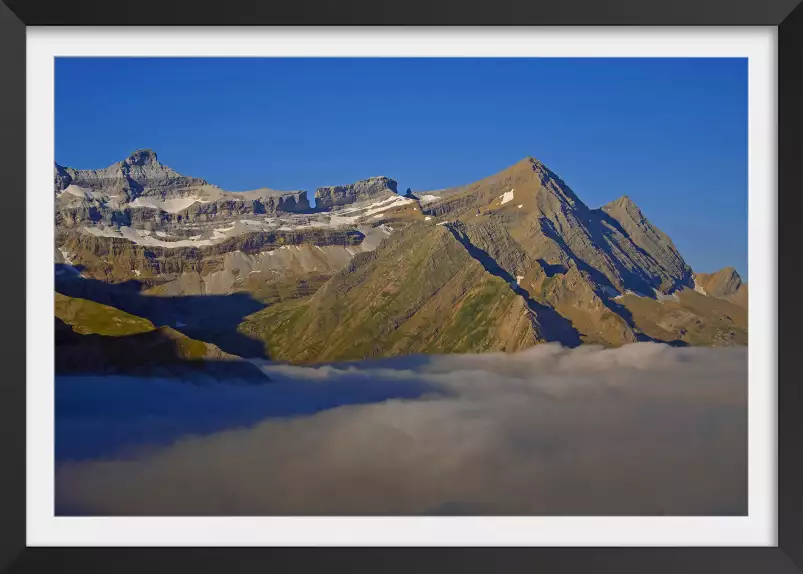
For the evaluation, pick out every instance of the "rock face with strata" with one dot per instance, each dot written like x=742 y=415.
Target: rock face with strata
x=364 y=190
x=139 y=174
x=725 y=284
x=652 y=246
x=141 y=190
x=719 y=284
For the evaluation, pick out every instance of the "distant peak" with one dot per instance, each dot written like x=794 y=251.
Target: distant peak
x=729 y=272
x=720 y=283
x=389 y=181
x=142 y=157
x=378 y=181
x=623 y=202
x=528 y=162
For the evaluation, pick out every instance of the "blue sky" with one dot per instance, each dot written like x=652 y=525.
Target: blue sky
x=670 y=133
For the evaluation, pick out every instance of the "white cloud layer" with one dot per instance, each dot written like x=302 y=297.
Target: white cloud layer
x=643 y=429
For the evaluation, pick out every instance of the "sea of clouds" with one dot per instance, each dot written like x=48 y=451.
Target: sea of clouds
x=642 y=429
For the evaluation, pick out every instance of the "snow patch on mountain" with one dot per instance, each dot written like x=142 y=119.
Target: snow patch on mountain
x=66 y=255
x=144 y=237
x=169 y=205
x=506 y=197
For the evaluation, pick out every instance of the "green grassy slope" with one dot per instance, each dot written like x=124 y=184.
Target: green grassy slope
x=420 y=292
x=87 y=317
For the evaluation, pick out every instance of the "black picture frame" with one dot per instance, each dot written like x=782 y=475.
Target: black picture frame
x=787 y=15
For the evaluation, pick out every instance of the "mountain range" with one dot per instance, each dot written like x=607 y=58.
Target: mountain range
x=501 y=264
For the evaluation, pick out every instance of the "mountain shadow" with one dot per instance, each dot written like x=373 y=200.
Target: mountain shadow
x=162 y=352
x=210 y=318
x=554 y=326
x=552 y=269
x=100 y=416
x=596 y=275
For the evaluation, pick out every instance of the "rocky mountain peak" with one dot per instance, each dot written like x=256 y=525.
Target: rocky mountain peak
x=140 y=173
x=528 y=162
x=381 y=181
x=722 y=283
x=142 y=157
x=624 y=207
x=624 y=202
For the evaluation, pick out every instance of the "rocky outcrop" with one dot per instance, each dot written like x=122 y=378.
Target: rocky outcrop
x=455 y=206
x=649 y=241
x=139 y=174
x=208 y=211
x=141 y=191
x=231 y=206
x=489 y=239
x=257 y=242
x=719 y=284
x=115 y=259
x=289 y=202
x=364 y=190
x=61 y=178
x=69 y=216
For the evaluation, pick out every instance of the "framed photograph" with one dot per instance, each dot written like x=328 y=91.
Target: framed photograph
x=414 y=287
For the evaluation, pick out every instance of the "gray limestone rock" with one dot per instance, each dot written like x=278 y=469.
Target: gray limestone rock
x=364 y=190
x=140 y=174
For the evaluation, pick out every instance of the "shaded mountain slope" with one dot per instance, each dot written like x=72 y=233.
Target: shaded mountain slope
x=419 y=292
x=559 y=289
x=98 y=339
x=88 y=317
x=209 y=318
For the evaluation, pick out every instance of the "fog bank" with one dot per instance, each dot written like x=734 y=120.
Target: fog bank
x=643 y=429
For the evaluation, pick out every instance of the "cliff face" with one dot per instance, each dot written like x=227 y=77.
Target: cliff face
x=140 y=190
x=725 y=284
x=365 y=190
x=206 y=211
x=115 y=260
x=719 y=284
x=139 y=174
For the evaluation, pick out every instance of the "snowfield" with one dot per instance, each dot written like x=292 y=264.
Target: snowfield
x=168 y=205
